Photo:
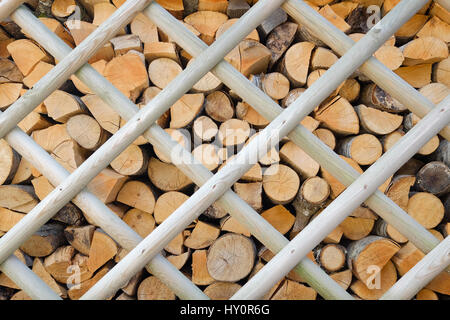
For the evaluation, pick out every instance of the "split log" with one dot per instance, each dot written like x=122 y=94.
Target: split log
x=167 y=203
x=9 y=219
x=280 y=184
x=17 y=198
x=280 y=218
x=424 y=50
x=411 y=28
x=175 y=7
x=250 y=57
x=202 y=236
x=434 y=178
x=322 y=58
x=9 y=72
x=279 y=40
x=179 y=260
x=140 y=221
x=245 y=112
x=233 y=132
x=417 y=76
x=63 y=8
x=133 y=161
x=80 y=238
x=383 y=229
x=142 y=26
x=331 y=257
x=374 y=287
x=375 y=97
x=45 y=241
x=123 y=44
x=86 y=131
x=441 y=72
x=338 y=115
x=408 y=257
x=69 y=154
x=326 y=136
x=230 y=224
x=176 y=246
x=391 y=56
x=156 y=50
x=336 y=187
x=356 y=228
x=274 y=84
x=209 y=83
x=409 y=122
x=9 y=162
x=76 y=292
x=310 y=199
x=102 y=249
x=437 y=28
x=219 y=107
x=162 y=71
x=253 y=35
x=291 y=290
x=106 y=185
x=184 y=111
x=207 y=23
x=20 y=295
x=231 y=258
x=27 y=55
x=138 y=195
x=9 y=93
x=57 y=28
x=366 y=253
x=179 y=137
x=350 y=90
x=426 y=208
x=39 y=270
x=100 y=66
x=204 y=129
x=214 y=211
x=343 y=9
x=64 y=265
x=328 y=13
x=365 y=149
x=376 y=121
x=200 y=274
x=343 y=278
x=127 y=73
x=153 y=289
x=166 y=176
x=399 y=190
x=222 y=290
x=207 y=155
x=295 y=64
x=237 y=8
x=250 y=193
x=278 y=17
x=426 y=294
x=149 y=94
x=62 y=105
x=32 y=122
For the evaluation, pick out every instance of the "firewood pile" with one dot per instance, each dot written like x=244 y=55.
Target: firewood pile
x=287 y=187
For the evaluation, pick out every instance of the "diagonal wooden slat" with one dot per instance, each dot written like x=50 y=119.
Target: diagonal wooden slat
x=264 y=105
x=258 y=147
x=158 y=137
x=347 y=201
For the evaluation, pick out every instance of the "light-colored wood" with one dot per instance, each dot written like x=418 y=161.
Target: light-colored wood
x=280 y=184
x=207 y=23
x=144 y=28
x=133 y=161
x=399 y=190
x=418 y=75
x=34 y=121
x=365 y=149
x=426 y=294
x=437 y=28
x=441 y=72
x=356 y=228
x=17 y=198
x=221 y=290
x=167 y=203
x=426 y=208
x=280 y=218
x=59 y=262
x=27 y=55
x=250 y=57
x=63 y=8
x=76 y=292
x=202 y=236
x=230 y=224
x=9 y=162
x=166 y=176
x=336 y=187
x=9 y=71
x=245 y=112
x=295 y=64
x=107 y=184
x=274 y=84
x=339 y=116
x=250 y=193
x=328 y=13
x=409 y=122
x=350 y=90
x=127 y=73
x=179 y=260
x=156 y=50
x=231 y=258
x=9 y=93
x=80 y=237
x=102 y=249
x=140 y=221
x=331 y=257
x=45 y=241
x=123 y=44
x=234 y=132
x=200 y=274
x=153 y=289
x=149 y=94
x=322 y=58
x=86 y=131
x=219 y=106
x=62 y=105
x=204 y=129
x=376 y=121
x=381 y=283
x=175 y=7
x=179 y=137
x=391 y=56
x=184 y=111
x=279 y=40
x=326 y=136
x=9 y=218
x=384 y=229
x=411 y=27
x=69 y=154
x=375 y=97
x=56 y=27
x=138 y=195
x=368 y=252
x=39 y=269
x=291 y=290
x=224 y=27
x=207 y=155
x=425 y=50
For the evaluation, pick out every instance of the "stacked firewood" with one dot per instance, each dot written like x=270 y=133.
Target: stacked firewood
x=359 y=121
